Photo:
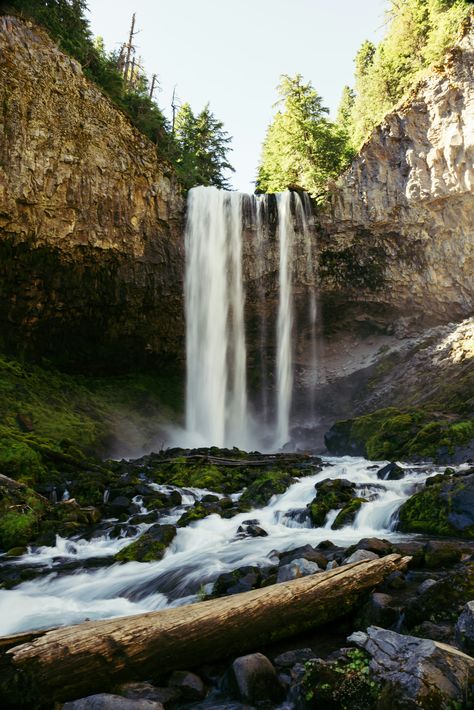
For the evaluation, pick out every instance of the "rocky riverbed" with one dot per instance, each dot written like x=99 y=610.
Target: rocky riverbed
x=185 y=525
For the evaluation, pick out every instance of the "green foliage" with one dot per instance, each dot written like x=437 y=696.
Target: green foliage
x=198 y=150
x=419 y=34
x=342 y=685
x=302 y=148
x=392 y=433
x=42 y=411
x=202 y=147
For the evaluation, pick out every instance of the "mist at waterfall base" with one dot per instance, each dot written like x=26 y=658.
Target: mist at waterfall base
x=224 y=230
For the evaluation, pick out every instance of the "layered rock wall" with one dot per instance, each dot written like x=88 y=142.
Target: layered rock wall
x=91 y=220
x=399 y=232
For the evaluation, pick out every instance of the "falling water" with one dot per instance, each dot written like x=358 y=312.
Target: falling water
x=285 y=320
x=216 y=403
x=217 y=408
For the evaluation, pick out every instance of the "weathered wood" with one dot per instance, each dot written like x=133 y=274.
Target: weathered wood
x=74 y=661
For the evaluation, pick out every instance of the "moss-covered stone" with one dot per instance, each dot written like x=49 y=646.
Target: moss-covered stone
x=271 y=483
x=399 y=434
x=151 y=546
x=21 y=513
x=443 y=508
x=333 y=494
x=347 y=515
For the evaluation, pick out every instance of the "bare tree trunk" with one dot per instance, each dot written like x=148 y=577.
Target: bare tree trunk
x=74 y=661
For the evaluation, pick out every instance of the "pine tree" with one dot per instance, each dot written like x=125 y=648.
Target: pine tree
x=203 y=145
x=302 y=148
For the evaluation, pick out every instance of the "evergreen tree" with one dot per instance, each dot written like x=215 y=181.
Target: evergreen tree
x=418 y=34
x=302 y=148
x=203 y=145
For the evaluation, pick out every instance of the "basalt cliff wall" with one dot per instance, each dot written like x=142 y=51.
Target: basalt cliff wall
x=91 y=220
x=398 y=235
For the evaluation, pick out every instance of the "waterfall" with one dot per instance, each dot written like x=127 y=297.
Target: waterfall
x=218 y=412
x=285 y=320
x=216 y=404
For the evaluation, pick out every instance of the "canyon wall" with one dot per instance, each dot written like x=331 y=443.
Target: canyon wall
x=398 y=234
x=91 y=220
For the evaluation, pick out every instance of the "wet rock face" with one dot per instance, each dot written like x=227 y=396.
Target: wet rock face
x=91 y=220
x=401 y=217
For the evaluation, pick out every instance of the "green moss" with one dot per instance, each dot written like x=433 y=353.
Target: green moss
x=267 y=485
x=434 y=509
x=396 y=434
x=21 y=512
x=348 y=513
x=82 y=413
x=19 y=461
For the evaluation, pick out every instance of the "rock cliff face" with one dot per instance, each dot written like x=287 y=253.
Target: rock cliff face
x=91 y=222
x=399 y=233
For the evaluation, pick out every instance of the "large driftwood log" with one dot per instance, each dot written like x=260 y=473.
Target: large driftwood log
x=74 y=661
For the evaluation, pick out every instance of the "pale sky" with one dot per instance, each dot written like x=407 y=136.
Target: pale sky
x=232 y=55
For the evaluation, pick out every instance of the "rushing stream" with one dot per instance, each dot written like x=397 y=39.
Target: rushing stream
x=198 y=554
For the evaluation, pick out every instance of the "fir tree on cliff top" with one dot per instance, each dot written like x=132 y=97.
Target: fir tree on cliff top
x=198 y=147
x=418 y=35
x=303 y=148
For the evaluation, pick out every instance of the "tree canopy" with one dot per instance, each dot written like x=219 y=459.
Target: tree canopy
x=203 y=145
x=419 y=32
x=199 y=147
x=303 y=147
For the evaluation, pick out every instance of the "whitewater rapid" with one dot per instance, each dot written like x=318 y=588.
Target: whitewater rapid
x=198 y=554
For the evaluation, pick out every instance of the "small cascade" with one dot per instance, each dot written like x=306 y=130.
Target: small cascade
x=219 y=223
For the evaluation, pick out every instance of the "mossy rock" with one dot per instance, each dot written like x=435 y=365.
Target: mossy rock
x=442 y=508
x=150 y=547
x=347 y=515
x=331 y=495
x=21 y=513
x=259 y=493
x=395 y=434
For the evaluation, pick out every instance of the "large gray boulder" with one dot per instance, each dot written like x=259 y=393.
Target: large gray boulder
x=414 y=672
x=465 y=628
x=296 y=569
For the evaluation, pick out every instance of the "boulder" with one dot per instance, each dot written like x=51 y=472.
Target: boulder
x=239 y=580
x=416 y=673
x=147 y=691
x=360 y=555
x=334 y=494
x=296 y=569
x=390 y=472
x=380 y=610
x=465 y=628
x=445 y=507
x=374 y=544
x=106 y=701
x=441 y=553
x=290 y=658
x=256 y=679
x=189 y=685
x=150 y=546
x=307 y=552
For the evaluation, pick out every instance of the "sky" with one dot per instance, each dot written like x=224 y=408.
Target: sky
x=232 y=54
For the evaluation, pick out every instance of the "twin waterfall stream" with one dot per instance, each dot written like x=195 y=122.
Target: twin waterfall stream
x=218 y=412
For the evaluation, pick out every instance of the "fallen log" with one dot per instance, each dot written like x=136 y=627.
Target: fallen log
x=73 y=661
